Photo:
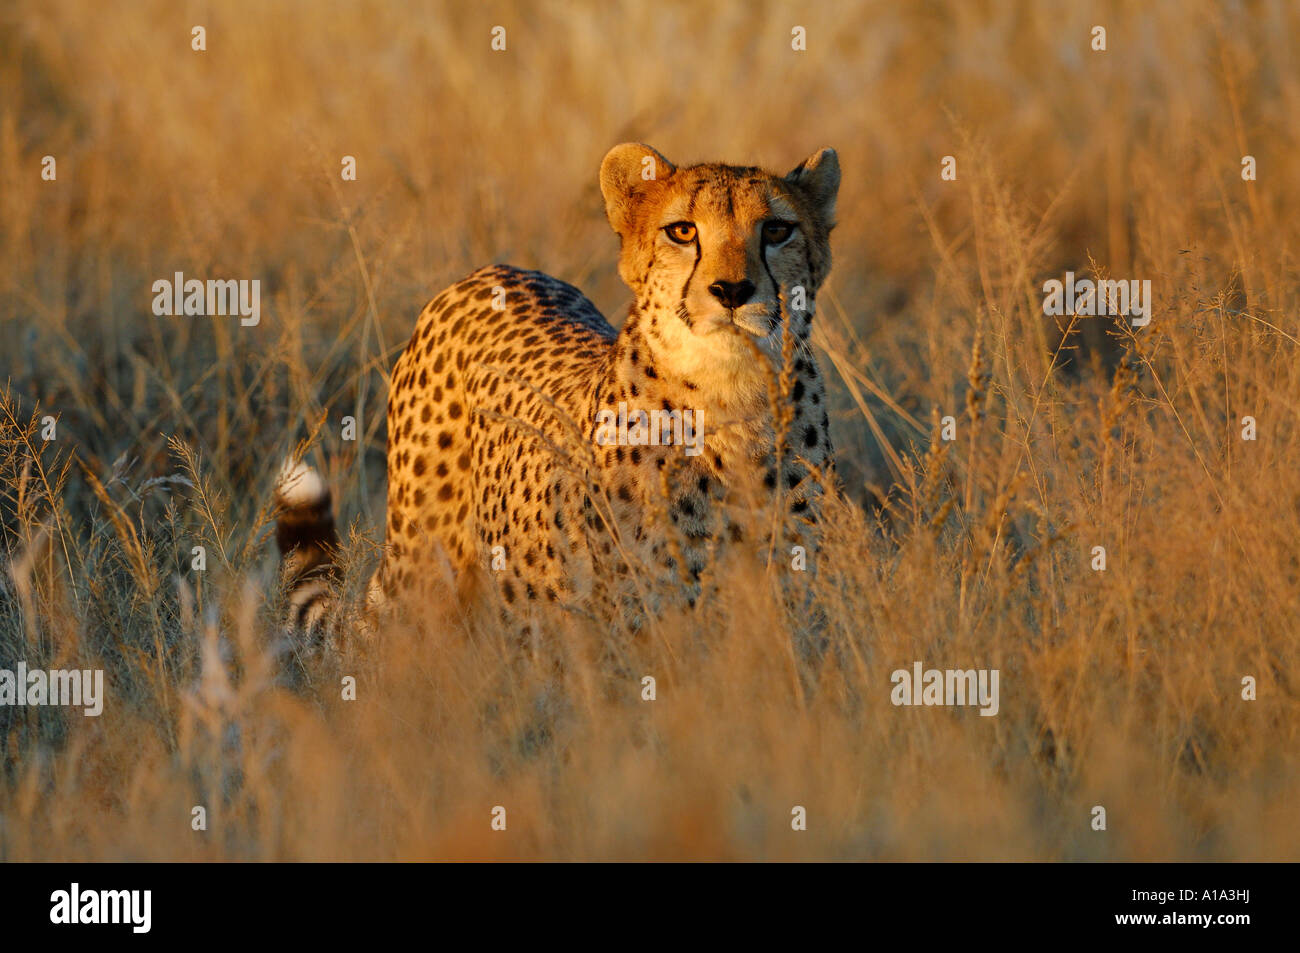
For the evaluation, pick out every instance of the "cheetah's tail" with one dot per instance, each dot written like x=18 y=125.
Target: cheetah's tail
x=308 y=543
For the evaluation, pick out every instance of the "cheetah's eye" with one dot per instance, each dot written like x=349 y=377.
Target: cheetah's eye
x=774 y=233
x=683 y=233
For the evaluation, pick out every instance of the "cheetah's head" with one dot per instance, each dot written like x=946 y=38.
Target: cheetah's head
x=709 y=246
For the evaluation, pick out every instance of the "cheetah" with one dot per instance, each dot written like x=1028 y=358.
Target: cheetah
x=504 y=458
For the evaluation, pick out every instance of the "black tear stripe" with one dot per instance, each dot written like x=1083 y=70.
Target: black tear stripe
x=690 y=213
x=776 y=288
x=681 y=307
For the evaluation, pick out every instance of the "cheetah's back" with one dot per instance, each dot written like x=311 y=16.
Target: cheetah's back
x=487 y=405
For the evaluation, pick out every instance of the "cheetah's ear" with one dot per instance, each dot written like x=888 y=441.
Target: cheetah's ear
x=819 y=178
x=626 y=173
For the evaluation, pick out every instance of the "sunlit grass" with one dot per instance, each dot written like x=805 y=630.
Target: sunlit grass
x=1119 y=688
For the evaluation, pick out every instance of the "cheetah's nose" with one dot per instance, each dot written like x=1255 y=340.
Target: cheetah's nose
x=732 y=293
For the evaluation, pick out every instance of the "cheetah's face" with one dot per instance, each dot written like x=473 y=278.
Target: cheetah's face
x=717 y=245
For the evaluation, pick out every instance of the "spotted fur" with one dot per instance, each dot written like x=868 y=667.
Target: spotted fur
x=495 y=469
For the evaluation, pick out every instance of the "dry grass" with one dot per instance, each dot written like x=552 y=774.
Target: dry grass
x=1120 y=688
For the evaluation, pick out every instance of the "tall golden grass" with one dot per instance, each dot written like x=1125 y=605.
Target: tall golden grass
x=1119 y=688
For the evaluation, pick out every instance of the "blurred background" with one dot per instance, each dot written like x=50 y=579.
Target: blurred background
x=226 y=163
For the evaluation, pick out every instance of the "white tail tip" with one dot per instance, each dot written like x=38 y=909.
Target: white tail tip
x=299 y=485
